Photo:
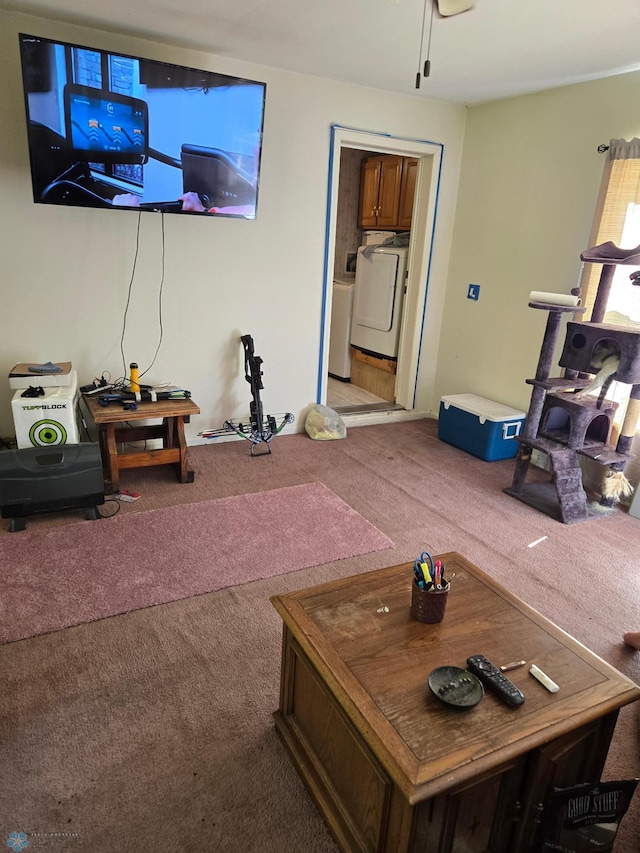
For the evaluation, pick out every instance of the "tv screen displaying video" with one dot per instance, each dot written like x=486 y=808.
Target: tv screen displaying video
x=112 y=131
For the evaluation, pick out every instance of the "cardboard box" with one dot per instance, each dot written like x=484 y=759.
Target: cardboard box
x=482 y=427
x=21 y=377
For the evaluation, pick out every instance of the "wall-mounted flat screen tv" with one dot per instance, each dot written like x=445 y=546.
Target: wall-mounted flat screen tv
x=113 y=131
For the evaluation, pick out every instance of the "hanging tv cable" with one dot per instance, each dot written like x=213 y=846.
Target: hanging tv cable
x=129 y=294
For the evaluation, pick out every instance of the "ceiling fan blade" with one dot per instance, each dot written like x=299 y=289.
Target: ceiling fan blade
x=454 y=7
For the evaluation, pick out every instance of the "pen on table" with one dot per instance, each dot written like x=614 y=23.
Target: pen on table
x=515 y=665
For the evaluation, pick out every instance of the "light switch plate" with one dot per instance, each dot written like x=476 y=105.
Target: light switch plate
x=473 y=292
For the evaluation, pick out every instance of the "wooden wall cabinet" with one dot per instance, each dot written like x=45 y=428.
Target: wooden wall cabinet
x=407 y=192
x=387 y=189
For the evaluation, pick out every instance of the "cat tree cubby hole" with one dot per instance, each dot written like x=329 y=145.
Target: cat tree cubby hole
x=584 y=339
x=588 y=429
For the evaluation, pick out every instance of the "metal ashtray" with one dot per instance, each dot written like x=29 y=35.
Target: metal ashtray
x=456 y=686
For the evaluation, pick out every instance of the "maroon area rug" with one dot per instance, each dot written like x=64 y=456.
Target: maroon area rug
x=81 y=572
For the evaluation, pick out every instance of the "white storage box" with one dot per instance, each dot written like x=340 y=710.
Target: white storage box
x=481 y=427
x=47 y=420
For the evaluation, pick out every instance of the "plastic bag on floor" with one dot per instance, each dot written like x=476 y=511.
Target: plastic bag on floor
x=324 y=424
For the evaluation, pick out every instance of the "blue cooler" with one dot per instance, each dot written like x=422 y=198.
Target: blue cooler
x=480 y=426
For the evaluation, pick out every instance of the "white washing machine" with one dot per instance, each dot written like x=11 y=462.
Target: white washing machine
x=340 y=332
x=379 y=296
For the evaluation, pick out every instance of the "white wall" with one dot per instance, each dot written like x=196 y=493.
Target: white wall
x=530 y=176
x=66 y=271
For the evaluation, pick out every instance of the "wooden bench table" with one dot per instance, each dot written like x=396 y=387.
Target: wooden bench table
x=114 y=427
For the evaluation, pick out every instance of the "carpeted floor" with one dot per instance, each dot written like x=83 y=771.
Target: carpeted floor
x=153 y=728
x=90 y=571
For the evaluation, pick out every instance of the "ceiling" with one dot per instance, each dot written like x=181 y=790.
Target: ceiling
x=497 y=49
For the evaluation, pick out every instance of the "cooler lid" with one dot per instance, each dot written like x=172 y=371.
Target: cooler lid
x=486 y=410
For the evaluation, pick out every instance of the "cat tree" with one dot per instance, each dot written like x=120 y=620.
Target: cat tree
x=565 y=427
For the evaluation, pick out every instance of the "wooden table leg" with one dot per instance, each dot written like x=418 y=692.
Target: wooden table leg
x=168 y=425
x=112 y=457
x=185 y=475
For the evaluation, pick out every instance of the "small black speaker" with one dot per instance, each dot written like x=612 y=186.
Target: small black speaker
x=49 y=479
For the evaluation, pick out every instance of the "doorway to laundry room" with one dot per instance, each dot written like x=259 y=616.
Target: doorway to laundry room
x=381 y=216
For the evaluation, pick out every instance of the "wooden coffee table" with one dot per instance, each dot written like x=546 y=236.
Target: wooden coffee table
x=394 y=770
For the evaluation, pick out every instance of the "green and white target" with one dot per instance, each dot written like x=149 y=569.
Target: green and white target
x=47 y=432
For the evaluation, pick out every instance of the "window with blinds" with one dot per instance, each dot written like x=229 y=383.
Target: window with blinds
x=617 y=218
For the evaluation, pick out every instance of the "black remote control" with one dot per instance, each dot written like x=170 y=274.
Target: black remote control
x=493 y=678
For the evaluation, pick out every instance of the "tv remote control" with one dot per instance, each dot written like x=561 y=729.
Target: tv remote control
x=493 y=678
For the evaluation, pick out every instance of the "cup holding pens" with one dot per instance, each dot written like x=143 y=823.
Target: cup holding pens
x=428 y=605
x=429 y=590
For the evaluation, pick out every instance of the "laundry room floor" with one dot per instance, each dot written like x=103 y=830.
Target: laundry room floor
x=343 y=396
